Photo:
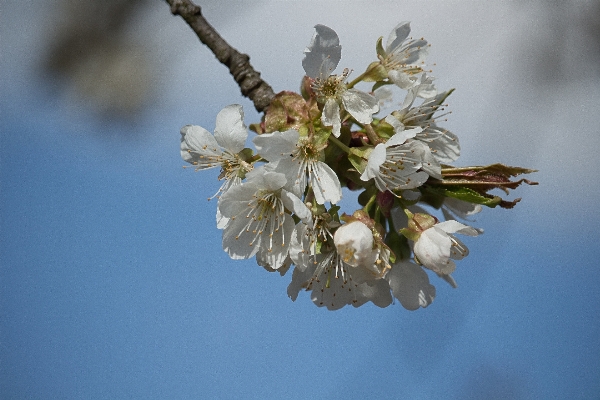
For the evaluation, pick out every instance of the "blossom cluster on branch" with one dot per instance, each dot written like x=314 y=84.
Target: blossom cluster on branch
x=278 y=202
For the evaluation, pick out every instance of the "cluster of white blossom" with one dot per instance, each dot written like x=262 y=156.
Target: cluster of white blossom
x=278 y=202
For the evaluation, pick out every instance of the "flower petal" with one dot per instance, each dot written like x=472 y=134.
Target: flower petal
x=428 y=161
x=295 y=205
x=235 y=200
x=456 y=227
x=377 y=291
x=230 y=130
x=402 y=136
x=277 y=145
x=331 y=116
x=376 y=158
x=325 y=183
x=433 y=251
x=274 y=250
x=199 y=147
x=410 y=285
x=397 y=36
x=360 y=105
x=445 y=147
x=323 y=54
x=395 y=123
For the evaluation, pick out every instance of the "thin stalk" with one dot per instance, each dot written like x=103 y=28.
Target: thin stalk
x=370 y=203
x=359 y=78
x=339 y=144
x=372 y=135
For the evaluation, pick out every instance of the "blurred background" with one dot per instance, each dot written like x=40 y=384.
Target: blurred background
x=113 y=283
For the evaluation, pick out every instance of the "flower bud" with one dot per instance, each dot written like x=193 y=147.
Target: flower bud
x=354 y=243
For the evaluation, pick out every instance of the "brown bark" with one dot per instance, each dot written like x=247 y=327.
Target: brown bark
x=247 y=78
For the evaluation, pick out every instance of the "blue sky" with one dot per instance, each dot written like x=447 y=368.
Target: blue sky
x=113 y=283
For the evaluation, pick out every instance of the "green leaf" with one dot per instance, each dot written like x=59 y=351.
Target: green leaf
x=499 y=169
x=472 y=184
x=468 y=195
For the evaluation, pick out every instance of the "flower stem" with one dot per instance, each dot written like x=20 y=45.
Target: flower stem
x=377 y=214
x=359 y=78
x=339 y=144
x=370 y=203
x=372 y=135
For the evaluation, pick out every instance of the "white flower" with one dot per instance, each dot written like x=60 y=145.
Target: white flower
x=403 y=59
x=436 y=247
x=204 y=151
x=308 y=240
x=330 y=281
x=396 y=164
x=443 y=144
x=298 y=158
x=354 y=243
x=320 y=60
x=323 y=270
x=410 y=284
x=259 y=218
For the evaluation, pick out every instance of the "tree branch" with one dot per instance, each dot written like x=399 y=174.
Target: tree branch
x=247 y=78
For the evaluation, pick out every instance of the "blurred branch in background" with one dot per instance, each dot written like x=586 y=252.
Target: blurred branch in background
x=93 y=57
x=570 y=42
x=91 y=53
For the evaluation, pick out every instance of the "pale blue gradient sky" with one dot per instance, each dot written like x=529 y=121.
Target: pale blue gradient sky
x=113 y=283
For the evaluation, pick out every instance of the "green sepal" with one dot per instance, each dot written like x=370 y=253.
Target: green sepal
x=256 y=128
x=318 y=247
x=375 y=72
x=379 y=47
x=383 y=129
x=417 y=224
x=246 y=154
x=379 y=84
x=321 y=137
x=358 y=157
x=333 y=211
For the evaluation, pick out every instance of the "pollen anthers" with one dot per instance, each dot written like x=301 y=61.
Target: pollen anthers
x=392 y=64
x=265 y=215
x=307 y=150
x=331 y=265
x=401 y=58
x=423 y=115
x=331 y=86
x=232 y=167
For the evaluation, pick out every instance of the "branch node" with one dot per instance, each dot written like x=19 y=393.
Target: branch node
x=182 y=7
